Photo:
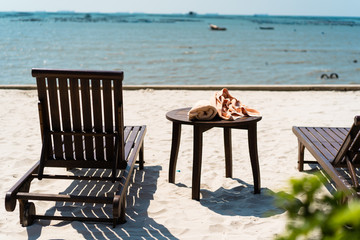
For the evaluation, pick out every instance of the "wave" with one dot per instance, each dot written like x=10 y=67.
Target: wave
x=302 y=20
x=95 y=17
x=69 y=16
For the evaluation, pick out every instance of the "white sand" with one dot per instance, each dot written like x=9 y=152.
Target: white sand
x=157 y=209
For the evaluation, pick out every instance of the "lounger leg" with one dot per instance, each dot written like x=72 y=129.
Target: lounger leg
x=119 y=206
x=122 y=211
x=43 y=157
x=26 y=209
x=27 y=212
x=301 y=157
x=228 y=152
x=176 y=135
x=141 y=157
x=252 y=139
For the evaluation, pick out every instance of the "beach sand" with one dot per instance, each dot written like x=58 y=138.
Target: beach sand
x=156 y=209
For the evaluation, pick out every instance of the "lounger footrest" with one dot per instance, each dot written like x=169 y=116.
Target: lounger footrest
x=72 y=177
x=63 y=198
x=70 y=218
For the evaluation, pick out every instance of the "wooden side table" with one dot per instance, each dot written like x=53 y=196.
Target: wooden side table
x=179 y=117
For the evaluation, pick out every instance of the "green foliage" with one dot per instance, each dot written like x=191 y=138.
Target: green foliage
x=318 y=217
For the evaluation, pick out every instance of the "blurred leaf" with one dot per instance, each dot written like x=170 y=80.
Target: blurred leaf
x=321 y=217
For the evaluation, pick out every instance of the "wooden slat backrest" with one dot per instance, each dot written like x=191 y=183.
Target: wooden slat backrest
x=350 y=146
x=108 y=118
x=76 y=115
x=119 y=115
x=55 y=116
x=96 y=100
x=66 y=121
x=81 y=102
x=86 y=112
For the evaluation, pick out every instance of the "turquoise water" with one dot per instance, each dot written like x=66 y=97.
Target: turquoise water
x=180 y=49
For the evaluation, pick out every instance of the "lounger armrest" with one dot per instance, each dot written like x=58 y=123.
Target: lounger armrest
x=357 y=120
x=21 y=185
x=10 y=201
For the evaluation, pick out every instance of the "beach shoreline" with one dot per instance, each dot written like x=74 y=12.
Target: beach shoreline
x=227 y=209
x=282 y=87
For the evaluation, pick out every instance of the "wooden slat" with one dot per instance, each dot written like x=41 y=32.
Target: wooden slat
x=43 y=113
x=344 y=132
x=41 y=89
x=97 y=114
x=55 y=117
x=332 y=135
x=127 y=130
x=139 y=140
x=39 y=72
x=108 y=118
x=119 y=119
x=131 y=140
x=302 y=134
x=313 y=137
x=65 y=116
x=76 y=116
x=341 y=133
x=85 y=134
x=329 y=143
x=87 y=121
x=118 y=101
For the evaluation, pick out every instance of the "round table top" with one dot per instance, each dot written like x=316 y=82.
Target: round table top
x=180 y=116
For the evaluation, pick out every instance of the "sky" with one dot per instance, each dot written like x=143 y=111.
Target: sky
x=349 y=8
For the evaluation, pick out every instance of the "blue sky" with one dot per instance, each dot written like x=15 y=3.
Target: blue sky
x=242 y=7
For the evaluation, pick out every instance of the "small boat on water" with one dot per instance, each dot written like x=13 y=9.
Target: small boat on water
x=217 y=28
x=266 y=28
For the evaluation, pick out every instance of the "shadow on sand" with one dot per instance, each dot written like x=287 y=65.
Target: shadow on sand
x=241 y=201
x=138 y=226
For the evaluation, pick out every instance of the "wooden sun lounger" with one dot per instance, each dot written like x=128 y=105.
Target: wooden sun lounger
x=82 y=126
x=334 y=149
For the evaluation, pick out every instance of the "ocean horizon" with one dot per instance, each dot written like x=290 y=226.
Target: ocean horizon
x=180 y=49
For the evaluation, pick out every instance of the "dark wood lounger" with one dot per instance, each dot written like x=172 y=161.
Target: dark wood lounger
x=82 y=126
x=334 y=149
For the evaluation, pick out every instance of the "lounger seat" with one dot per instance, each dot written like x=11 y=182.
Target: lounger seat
x=334 y=148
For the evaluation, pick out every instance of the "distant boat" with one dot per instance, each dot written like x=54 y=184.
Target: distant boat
x=216 y=28
x=266 y=28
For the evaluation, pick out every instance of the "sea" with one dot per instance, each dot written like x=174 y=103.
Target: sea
x=181 y=49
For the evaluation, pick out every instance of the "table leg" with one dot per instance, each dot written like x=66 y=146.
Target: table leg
x=197 y=155
x=175 y=143
x=228 y=152
x=252 y=138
